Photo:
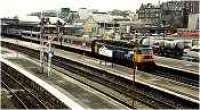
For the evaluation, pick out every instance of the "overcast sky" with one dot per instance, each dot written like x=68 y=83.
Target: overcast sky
x=22 y=7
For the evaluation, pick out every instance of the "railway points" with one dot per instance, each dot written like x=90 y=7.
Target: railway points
x=79 y=57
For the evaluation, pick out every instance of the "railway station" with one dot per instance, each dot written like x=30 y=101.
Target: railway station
x=92 y=59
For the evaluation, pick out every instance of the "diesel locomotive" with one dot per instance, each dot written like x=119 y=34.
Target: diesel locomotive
x=124 y=51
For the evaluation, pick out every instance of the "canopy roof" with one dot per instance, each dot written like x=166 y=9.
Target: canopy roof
x=28 y=19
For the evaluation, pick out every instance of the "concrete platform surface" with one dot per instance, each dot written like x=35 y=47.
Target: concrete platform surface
x=192 y=67
x=82 y=95
x=169 y=85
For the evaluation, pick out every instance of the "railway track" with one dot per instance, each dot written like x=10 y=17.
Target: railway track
x=25 y=98
x=111 y=82
x=177 y=75
x=22 y=105
x=174 y=74
x=140 y=92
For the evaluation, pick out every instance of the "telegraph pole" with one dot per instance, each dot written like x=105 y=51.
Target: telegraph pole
x=160 y=15
x=44 y=46
x=59 y=35
x=50 y=55
x=50 y=51
x=41 y=43
x=134 y=67
x=104 y=28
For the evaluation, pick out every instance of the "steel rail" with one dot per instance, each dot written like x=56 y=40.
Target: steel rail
x=184 y=77
x=35 y=53
x=177 y=75
x=115 y=84
x=28 y=91
x=15 y=95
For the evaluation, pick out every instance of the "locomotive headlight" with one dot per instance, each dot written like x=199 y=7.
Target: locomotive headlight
x=130 y=52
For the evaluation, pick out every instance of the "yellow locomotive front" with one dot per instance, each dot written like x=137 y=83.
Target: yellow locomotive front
x=143 y=55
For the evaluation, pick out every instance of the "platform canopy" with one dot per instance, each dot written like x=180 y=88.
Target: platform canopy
x=28 y=20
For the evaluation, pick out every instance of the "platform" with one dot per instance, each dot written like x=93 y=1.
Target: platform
x=73 y=93
x=183 y=65
x=190 y=67
x=164 y=84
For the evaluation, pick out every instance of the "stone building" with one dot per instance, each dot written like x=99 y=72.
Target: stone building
x=105 y=25
x=178 y=12
x=149 y=14
x=173 y=13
